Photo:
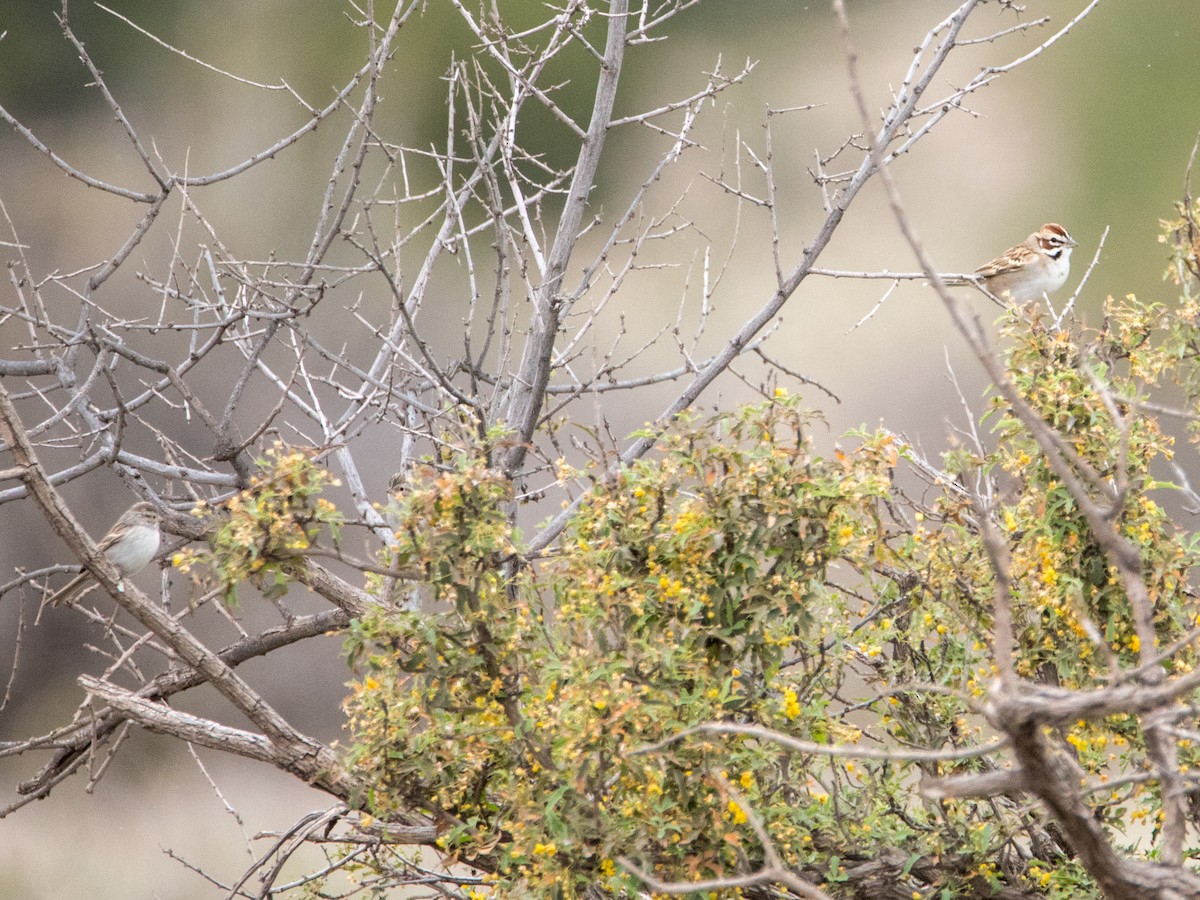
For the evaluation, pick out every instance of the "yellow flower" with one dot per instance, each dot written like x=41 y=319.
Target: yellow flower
x=791 y=706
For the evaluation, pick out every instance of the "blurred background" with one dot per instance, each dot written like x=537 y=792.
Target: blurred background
x=1094 y=134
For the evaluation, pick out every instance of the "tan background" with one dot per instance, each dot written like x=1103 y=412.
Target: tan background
x=1095 y=133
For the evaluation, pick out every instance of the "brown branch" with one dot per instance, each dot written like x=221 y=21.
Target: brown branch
x=796 y=885
x=840 y=750
x=529 y=385
x=160 y=718
x=1055 y=778
x=79 y=739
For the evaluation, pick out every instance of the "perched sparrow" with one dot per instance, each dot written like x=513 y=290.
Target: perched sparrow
x=1035 y=267
x=396 y=489
x=129 y=545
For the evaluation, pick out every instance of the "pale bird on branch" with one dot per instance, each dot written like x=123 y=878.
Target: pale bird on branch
x=129 y=545
x=1037 y=266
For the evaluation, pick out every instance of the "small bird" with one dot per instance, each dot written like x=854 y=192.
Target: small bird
x=398 y=483
x=397 y=488
x=1037 y=266
x=129 y=545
